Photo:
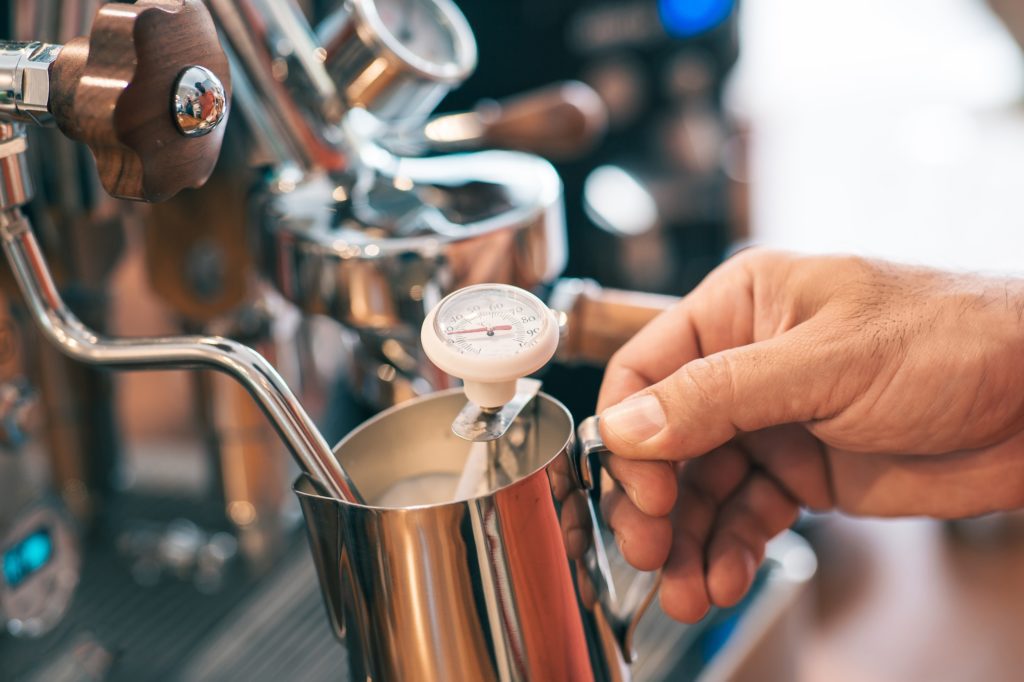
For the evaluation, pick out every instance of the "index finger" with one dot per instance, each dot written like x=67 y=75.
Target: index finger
x=717 y=315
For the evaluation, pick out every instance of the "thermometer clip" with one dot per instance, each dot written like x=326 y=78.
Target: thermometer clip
x=478 y=424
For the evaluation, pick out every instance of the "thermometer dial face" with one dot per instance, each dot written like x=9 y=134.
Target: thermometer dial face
x=491 y=322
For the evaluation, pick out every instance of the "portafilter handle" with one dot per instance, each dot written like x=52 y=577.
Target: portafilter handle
x=560 y=121
x=599 y=321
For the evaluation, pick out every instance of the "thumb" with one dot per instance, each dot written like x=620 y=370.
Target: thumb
x=707 y=401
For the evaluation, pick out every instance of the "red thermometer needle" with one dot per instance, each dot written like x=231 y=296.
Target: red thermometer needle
x=499 y=328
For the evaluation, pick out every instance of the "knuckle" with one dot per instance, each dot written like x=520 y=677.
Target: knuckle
x=708 y=379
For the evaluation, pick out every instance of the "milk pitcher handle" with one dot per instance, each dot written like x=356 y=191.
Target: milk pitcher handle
x=587 y=467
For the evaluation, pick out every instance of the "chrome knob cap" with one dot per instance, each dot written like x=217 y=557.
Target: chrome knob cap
x=200 y=103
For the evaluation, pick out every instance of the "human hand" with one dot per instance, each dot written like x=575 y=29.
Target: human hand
x=825 y=382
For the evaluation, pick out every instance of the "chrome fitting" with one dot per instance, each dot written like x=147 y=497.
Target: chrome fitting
x=25 y=81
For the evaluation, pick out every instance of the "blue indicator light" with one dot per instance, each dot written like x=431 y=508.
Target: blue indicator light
x=687 y=18
x=36 y=550
x=13 y=572
x=27 y=557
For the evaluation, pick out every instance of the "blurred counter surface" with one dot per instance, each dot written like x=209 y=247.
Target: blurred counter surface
x=896 y=130
x=917 y=601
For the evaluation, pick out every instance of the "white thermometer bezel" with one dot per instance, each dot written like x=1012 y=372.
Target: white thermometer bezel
x=491 y=381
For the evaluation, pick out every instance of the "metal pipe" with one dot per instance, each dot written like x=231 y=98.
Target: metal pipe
x=286 y=89
x=25 y=80
x=60 y=326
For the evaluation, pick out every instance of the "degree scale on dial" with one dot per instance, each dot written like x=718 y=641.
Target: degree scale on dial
x=490 y=323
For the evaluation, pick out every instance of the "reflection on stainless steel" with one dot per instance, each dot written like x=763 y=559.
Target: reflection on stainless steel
x=25 y=80
x=60 y=326
x=200 y=103
x=479 y=425
x=282 y=88
x=617 y=202
x=16 y=188
x=587 y=467
x=408 y=234
x=459 y=131
x=376 y=249
x=397 y=58
x=355 y=233
x=477 y=589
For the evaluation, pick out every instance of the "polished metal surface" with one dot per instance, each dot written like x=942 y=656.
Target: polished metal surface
x=425 y=585
x=60 y=326
x=200 y=103
x=299 y=59
x=378 y=252
x=591 y=449
x=25 y=80
x=397 y=58
x=620 y=203
x=15 y=180
x=281 y=86
x=358 y=234
x=477 y=424
x=278 y=633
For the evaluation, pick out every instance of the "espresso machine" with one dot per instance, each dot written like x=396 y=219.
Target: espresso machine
x=154 y=533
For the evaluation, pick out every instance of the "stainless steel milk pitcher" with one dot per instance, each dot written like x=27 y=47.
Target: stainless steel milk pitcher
x=420 y=587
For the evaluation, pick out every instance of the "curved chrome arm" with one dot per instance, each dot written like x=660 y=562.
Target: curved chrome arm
x=63 y=329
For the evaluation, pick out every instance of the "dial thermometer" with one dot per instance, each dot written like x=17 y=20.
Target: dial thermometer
x=490 y=335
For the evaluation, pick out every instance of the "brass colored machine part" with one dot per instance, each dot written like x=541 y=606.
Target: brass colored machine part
x=104 y=99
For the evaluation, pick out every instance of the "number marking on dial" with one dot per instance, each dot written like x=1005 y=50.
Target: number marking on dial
x=490 y=323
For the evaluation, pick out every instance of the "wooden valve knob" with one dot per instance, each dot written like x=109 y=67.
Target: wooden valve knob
x=148 y=92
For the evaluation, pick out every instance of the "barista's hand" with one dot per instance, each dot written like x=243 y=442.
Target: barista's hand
x=783 y=382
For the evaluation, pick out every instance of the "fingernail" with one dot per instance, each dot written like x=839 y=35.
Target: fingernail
x=636 y=419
